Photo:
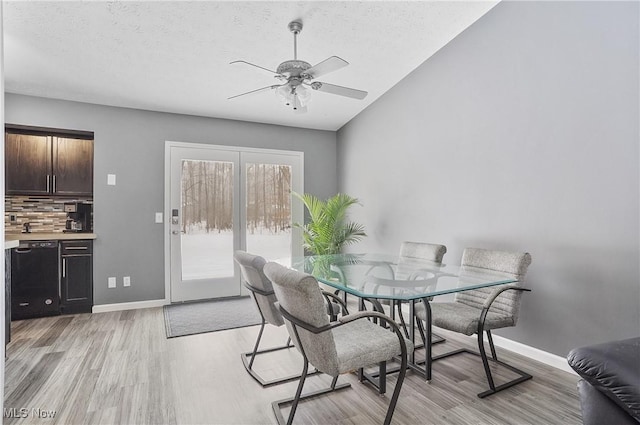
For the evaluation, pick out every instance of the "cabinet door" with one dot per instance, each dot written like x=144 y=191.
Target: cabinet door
x=76 y=284
x=76 y=277
x=28 y=164
x=72 y=166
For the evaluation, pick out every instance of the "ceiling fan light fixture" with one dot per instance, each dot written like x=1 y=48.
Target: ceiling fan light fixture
x=303 y=94
x=285 y=94
x=295 y=95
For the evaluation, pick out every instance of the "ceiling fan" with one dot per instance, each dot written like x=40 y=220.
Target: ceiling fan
x=298 y=77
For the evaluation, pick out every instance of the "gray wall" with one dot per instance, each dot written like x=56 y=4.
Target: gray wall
x=130 y=144
x=520 y=134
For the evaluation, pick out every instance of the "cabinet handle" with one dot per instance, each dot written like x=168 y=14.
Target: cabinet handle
x=54 y=183
x=24 y=304
x=76 y=248
x=64 y=267
x=48 y=182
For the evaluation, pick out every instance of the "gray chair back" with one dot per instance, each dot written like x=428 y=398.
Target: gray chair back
x=412 y=251
x=251 y=267
x=512 y=264
x=300 y=295
x=423 y=251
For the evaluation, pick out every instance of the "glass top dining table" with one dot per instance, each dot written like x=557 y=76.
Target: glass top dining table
x=377 y=277
x=380 y=276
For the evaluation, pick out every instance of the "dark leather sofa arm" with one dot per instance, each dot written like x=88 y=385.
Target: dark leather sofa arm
x=613 y=370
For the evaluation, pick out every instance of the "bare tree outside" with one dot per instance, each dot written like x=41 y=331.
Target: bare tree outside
x=268 y=198
x=207 y=197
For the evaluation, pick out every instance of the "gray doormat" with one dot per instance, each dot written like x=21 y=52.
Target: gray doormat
x=210 y=316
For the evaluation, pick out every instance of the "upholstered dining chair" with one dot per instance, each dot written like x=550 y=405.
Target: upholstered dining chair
x=479 y=311
x=350 y=343
x=261 y=290
x=416 y=251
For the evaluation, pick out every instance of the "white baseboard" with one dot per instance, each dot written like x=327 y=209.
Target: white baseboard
x=549 y=359
x=105 y=308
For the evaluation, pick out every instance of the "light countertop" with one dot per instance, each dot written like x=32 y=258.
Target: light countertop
x=8 y=244
x=42 y=236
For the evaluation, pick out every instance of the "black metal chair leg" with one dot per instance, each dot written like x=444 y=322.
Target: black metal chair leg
x=249 y=357
x=255 y=347
x=296 y=399
x=485 y=361
x=277 y=405
x=493 y=348
x=382 y=377
x=396 y=391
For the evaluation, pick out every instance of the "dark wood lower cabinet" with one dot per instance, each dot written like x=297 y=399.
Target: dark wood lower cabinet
x=76 y=281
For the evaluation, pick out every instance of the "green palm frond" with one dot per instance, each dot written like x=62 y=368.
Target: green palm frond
x=327 y=230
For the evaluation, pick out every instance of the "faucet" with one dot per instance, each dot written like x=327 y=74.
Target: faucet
x=26 y=227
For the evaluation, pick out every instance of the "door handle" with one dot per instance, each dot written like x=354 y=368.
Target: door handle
x=176 y=232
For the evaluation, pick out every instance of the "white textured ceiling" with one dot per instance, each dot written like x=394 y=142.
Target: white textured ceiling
x=174 y=56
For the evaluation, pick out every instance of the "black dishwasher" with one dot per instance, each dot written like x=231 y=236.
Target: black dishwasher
x=35 y=280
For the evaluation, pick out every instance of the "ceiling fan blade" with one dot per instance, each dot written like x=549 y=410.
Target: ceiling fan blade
x=257 y=66
x=326 y=66
x=339 y=90
x=255 y=91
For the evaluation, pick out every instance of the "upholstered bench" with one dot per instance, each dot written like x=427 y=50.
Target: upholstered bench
x=610 y=385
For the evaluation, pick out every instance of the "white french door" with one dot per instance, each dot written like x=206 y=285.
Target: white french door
x=221 y=199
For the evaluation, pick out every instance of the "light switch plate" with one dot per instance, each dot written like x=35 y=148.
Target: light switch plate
x=158 y=217
x=111 y=179
x=126 y=281
x=112 y=282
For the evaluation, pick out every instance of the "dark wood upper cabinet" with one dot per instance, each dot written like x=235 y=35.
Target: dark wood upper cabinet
x=41 y=164
x=27 y=164
x=73 y=166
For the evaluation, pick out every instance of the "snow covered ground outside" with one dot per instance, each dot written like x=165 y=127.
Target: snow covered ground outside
x=210 y=255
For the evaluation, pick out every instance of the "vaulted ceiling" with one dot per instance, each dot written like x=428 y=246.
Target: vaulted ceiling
x=175 y=56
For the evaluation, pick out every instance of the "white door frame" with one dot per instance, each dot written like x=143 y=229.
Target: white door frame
x=297 y=207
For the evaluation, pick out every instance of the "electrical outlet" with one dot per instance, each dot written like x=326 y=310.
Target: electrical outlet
x=158 y=217
x=12 y=218
x=126 y=281
x=112 y=282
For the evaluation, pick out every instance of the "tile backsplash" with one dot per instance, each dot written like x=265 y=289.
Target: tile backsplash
x=45 y=214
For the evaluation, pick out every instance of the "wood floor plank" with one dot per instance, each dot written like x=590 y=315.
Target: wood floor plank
x=119 y=368
x=22 y=394
x=53 y=333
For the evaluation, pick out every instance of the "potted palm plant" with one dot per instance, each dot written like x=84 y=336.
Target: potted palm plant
x=328 y=229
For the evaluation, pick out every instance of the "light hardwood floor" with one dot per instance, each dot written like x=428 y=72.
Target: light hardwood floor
x=119 y=368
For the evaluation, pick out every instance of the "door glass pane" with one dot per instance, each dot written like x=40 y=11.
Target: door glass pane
x=207 y=219
x=268 y=210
